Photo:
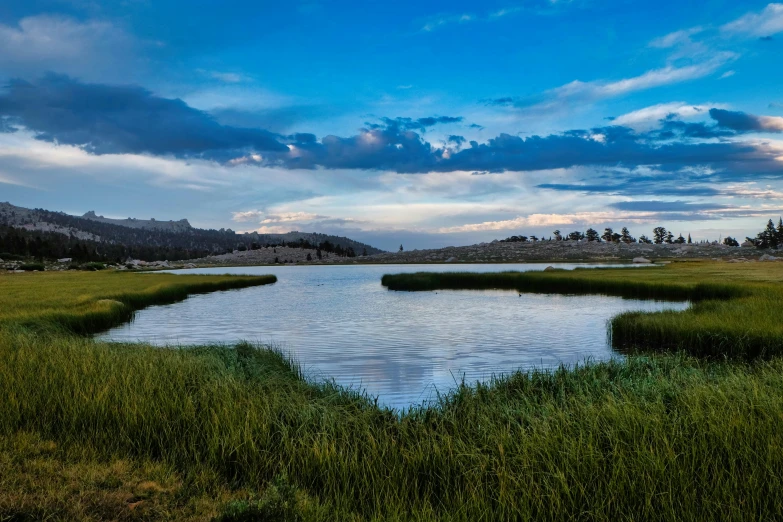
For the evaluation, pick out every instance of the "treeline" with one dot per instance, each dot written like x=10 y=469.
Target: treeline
x=770 y=237
x=660 y=235
x=16 y=243
x=321 y=247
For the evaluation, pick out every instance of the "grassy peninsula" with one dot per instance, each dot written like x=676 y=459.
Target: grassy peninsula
x=735 y=312
x=99 y=431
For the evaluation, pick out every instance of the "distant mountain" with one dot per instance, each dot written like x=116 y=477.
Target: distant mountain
x=44 y=233
x=152 y=224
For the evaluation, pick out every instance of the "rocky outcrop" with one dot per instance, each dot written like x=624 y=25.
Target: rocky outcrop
x=183 y=225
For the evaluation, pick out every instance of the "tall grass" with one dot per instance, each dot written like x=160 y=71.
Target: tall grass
x=735 y=311
x=652 y=438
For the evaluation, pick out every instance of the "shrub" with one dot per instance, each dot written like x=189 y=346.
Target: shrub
x=32 y=267
x=92 y=267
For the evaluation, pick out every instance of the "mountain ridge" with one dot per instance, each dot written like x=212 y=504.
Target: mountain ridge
x=39 y=232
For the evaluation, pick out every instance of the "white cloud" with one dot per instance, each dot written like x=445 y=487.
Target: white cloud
x=534 y=220
x=676 y=38
x=650 y=116
x=557 y=98
x=291 y=217
x=247 y=215
x=751 y=191
x=771 y=123
x=440 y=21
x=225 y=77
x=45 y=42
x=654 y=78
x=767 y=22
x=500 y=13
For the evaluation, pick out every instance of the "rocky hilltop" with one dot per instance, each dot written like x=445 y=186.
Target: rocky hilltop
x=553 y=251
x=501 y=252
x=150 y=224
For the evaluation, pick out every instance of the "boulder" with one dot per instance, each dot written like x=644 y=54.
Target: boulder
x=642 y=260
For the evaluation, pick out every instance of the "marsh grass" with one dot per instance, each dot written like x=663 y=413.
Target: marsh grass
x=666 y=437
x=735 y=310
x=236 y=433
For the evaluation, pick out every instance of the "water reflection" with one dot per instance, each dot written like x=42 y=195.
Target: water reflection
x=339 y=322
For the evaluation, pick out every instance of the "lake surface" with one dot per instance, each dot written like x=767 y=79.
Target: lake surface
x=339 y=322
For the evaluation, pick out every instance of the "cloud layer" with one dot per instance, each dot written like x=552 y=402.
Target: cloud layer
x=105 y=119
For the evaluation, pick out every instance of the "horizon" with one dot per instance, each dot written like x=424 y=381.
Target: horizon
x=428 y=126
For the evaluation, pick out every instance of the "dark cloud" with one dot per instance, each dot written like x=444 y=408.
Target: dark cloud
x=119 y=119
x=505 y=101
x=662 y=187
x=107 y=119
x=420 y=124
x=672 y=128
x=665 y=206
x=742 y=122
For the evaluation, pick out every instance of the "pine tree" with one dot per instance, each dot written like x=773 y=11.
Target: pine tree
x=659 y=235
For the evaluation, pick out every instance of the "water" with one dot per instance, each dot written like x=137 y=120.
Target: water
x=340 y=323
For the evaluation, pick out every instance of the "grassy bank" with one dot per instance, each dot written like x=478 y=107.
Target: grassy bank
x=91 y=302
x=97 y=431
x=735 y=313
x=667 y=437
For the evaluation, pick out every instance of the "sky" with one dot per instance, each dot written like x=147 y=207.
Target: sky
x=426 y=124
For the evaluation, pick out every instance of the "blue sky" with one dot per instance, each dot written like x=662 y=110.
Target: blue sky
x=422 y=123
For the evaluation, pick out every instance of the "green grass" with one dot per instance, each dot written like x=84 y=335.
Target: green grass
x=667 y=437
x=99 y=431
x=735 y=310
x=90 y=302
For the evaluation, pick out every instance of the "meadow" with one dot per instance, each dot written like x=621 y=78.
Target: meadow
x=99 y=431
